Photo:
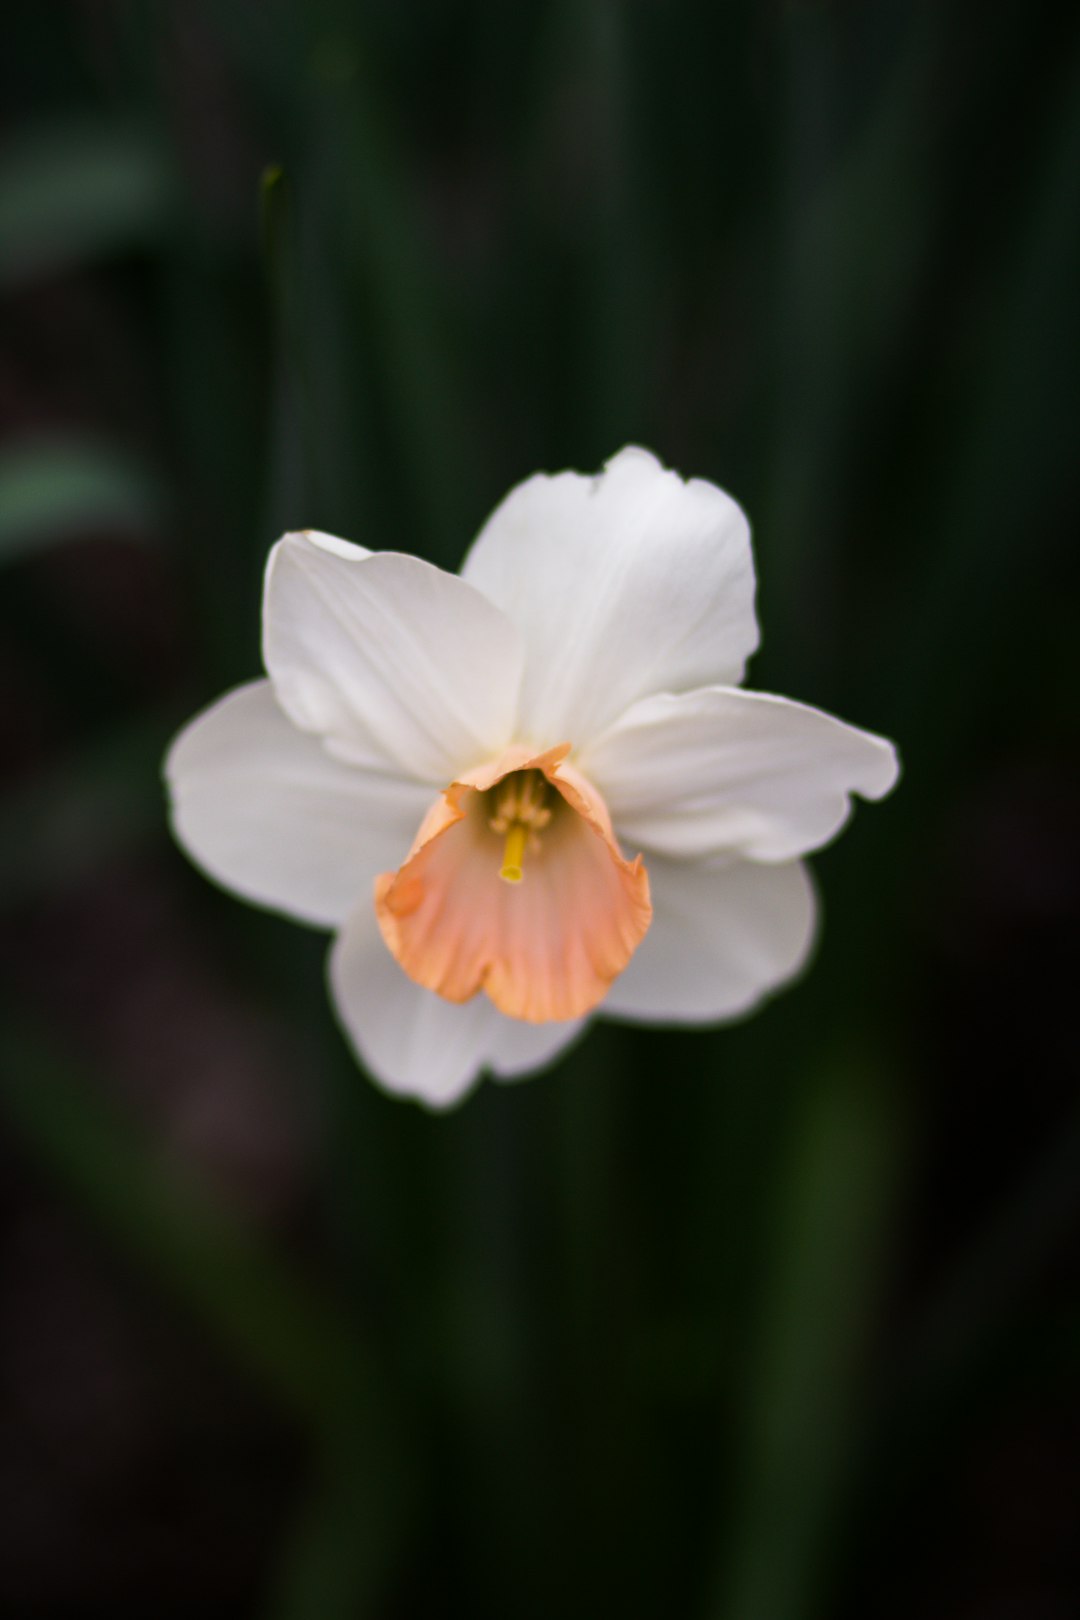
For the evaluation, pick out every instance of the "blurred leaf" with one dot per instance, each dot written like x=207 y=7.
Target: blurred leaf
x=303 y=1349
x=992 y=1333
x=990 y=1292
x=817 y=1296
x=273 y=191
x=1016 y=453
x=296 y=466
x=384 y=245
x=275 y=1324
x=50 y=493
x=78 y=191
x=71 y=820
x=855 y=216
x=345 y=1542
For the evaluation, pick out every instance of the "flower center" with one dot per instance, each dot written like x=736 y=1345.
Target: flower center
x=458 y=922
x=519 y=813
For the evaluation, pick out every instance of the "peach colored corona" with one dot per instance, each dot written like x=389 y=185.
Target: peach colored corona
x=530 y=793
x=547 y=949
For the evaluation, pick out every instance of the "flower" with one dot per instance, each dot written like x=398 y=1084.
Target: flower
x=527 y=793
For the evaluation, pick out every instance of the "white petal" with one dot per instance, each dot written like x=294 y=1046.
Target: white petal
x=389 y=658
x=413 y=1042
x=721 y=938
x=263 y=809
x=622 y=585
x=723 y=770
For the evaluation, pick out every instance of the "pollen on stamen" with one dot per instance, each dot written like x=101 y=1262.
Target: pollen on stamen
x=517 y=838
x=520 y=815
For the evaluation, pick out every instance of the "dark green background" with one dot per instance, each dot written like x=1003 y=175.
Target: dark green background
x=777 y=1322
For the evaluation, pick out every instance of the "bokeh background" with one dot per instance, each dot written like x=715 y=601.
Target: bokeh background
x=774 y=1322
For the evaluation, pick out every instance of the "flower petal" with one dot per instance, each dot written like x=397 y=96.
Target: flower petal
x=263 y=809
x=722 y=937
x=389 y=658
x=718 y=770
x=625 y=584
x=412 y=1041
x=543 y=948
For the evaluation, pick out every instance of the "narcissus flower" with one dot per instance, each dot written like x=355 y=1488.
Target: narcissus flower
x=530 y=793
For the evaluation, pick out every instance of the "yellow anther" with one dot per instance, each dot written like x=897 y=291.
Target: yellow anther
x=514 y=853
x=520 y=816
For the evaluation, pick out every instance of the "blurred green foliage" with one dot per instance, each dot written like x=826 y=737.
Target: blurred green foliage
x=703 y=1324
x=49 y=493
x=72 y=193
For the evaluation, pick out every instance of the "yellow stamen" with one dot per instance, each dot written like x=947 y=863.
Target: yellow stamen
x=514 y=853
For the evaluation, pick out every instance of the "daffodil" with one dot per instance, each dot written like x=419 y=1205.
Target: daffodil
x=530 y=793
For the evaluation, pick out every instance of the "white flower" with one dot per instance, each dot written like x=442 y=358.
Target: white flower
x=452 y=771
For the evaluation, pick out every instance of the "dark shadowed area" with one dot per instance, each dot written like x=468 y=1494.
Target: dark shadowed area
x=779 y=1321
